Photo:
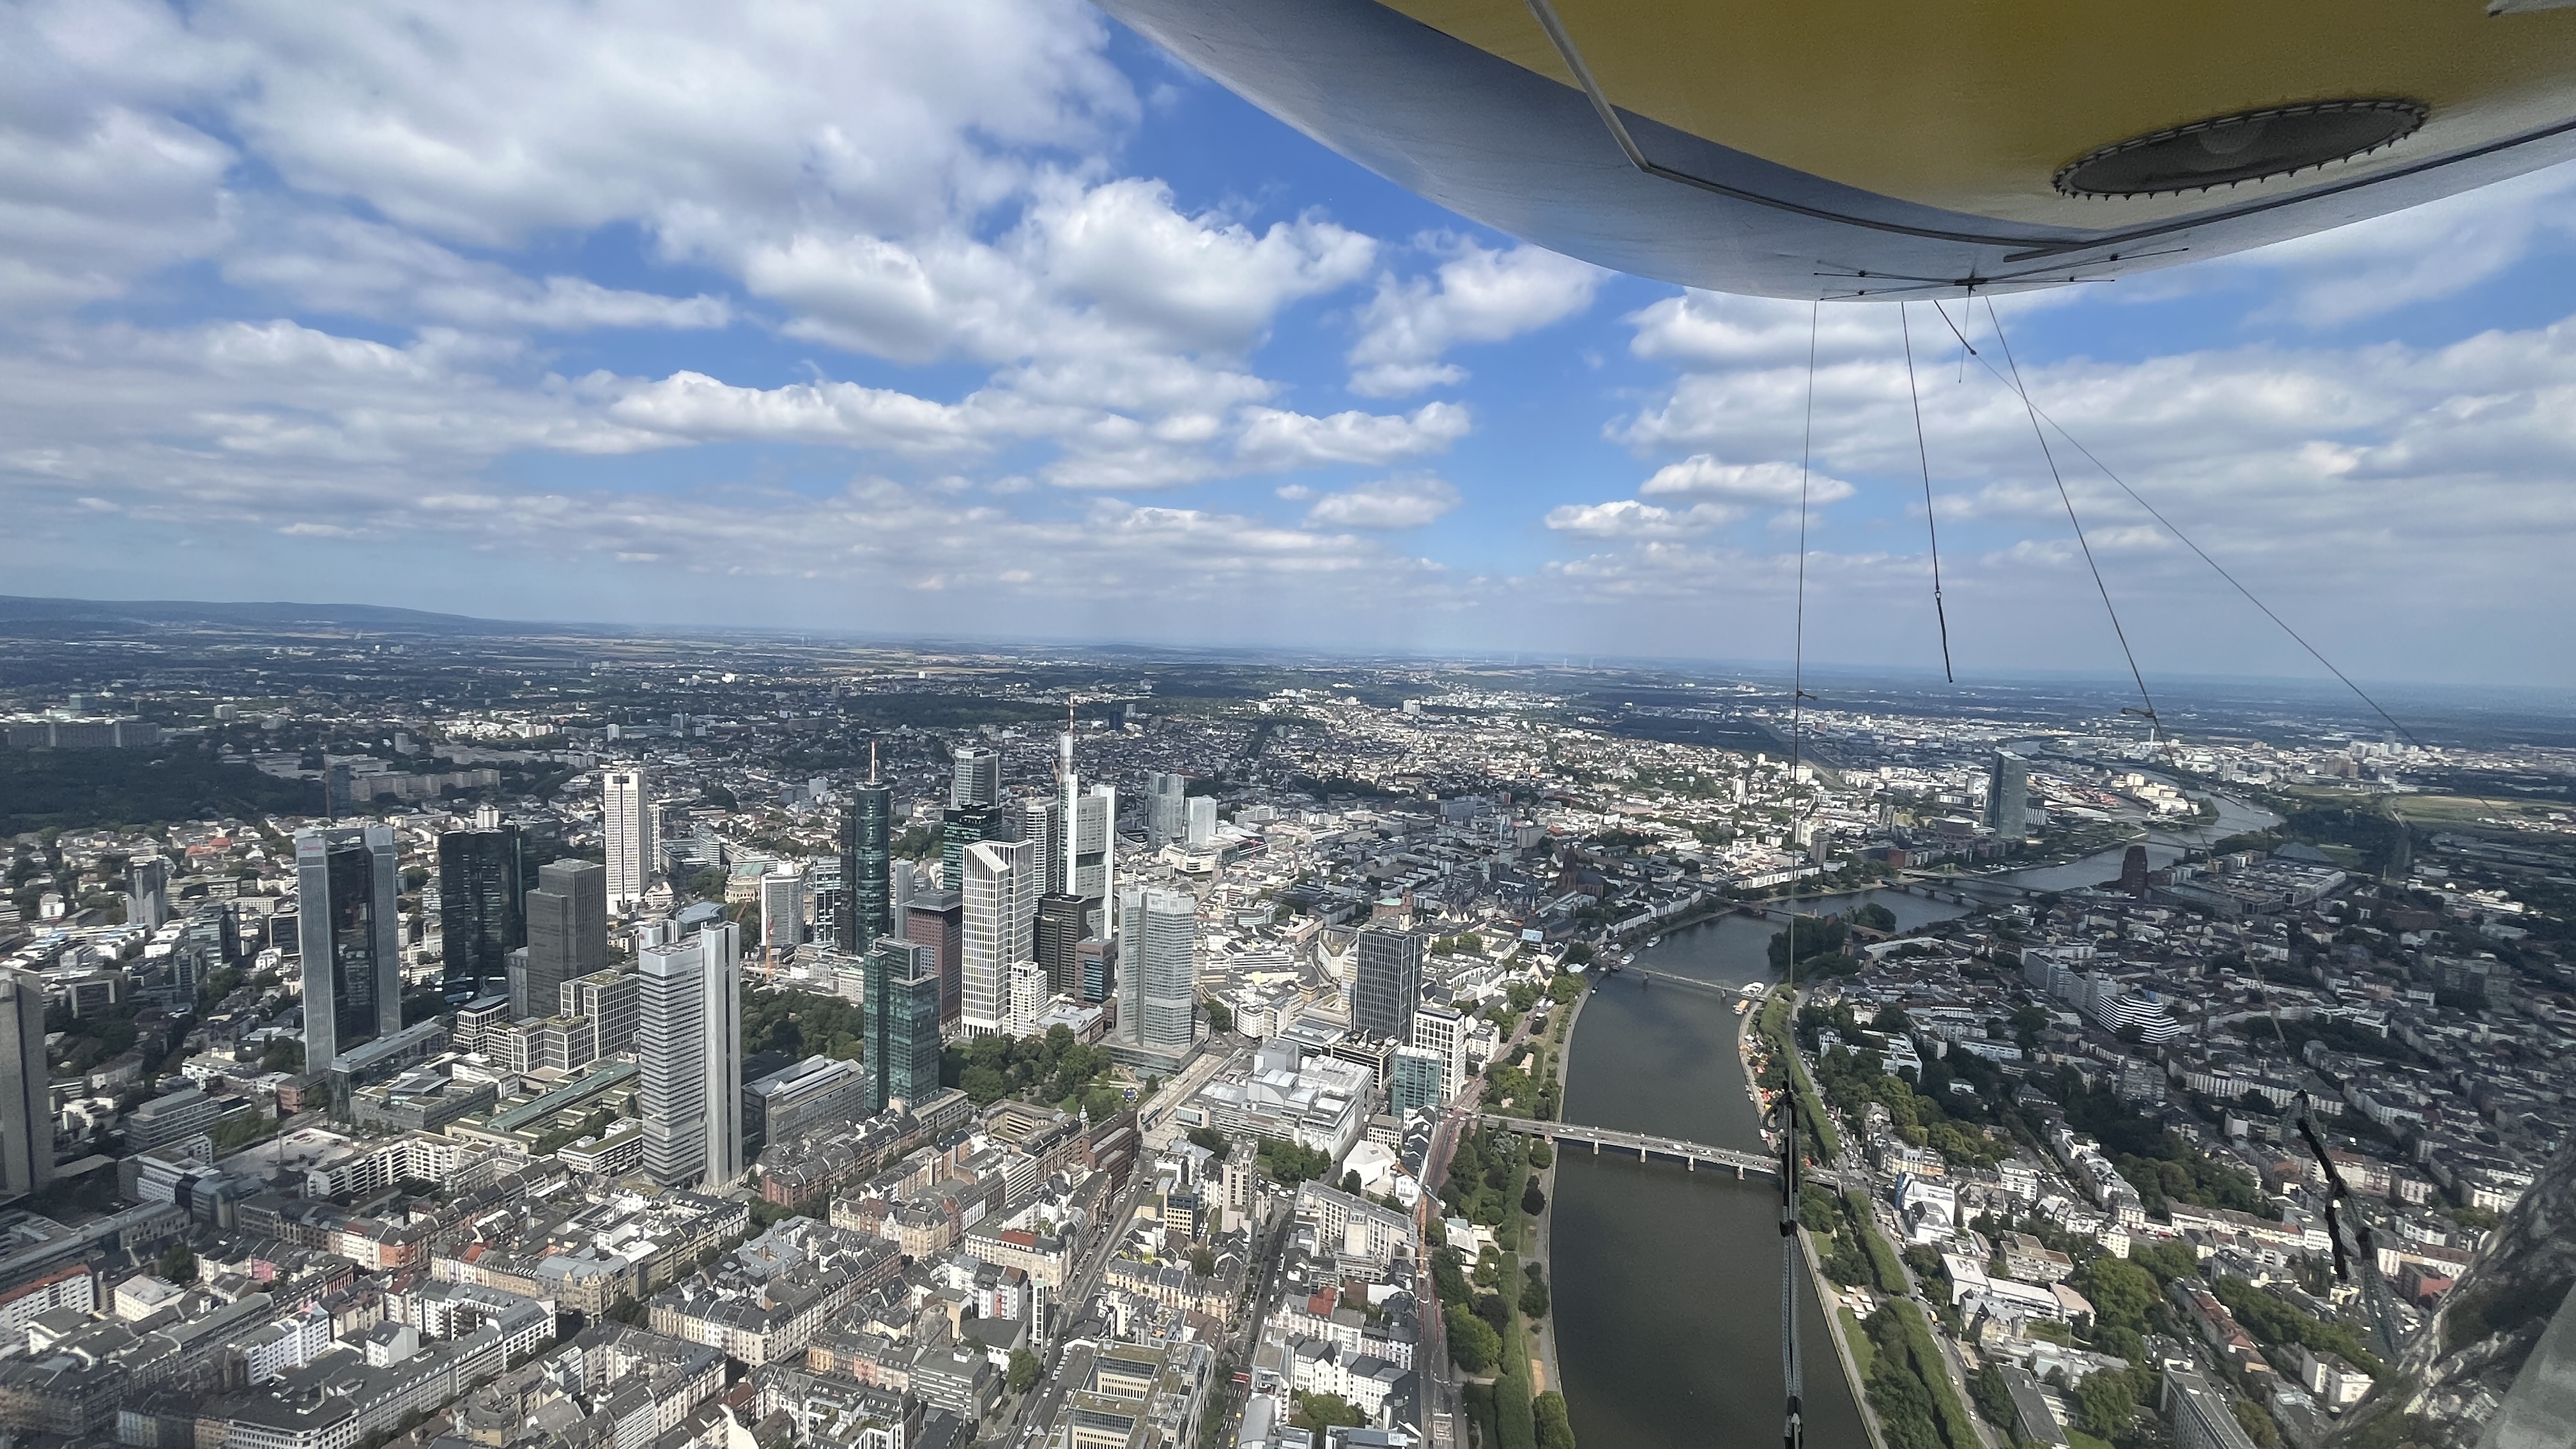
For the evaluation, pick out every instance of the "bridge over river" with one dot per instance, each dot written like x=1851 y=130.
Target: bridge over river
x=1691 y=1155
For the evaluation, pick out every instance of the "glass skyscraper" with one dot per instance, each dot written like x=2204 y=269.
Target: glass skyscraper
x=1386 y=984
x=903 y=1023
x=567 y=932
x=867 y=859
x=349 y=937
x=482 y=913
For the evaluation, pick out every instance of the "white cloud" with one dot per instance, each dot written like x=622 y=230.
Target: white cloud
x=1626 y=518
x=2438 y=250
x=1701 y=476
x=693 y=405
x=1273 y=439
x=1390 y=504
x=1478 y=295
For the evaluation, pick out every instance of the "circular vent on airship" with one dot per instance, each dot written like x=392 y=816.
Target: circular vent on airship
x=2247 y=146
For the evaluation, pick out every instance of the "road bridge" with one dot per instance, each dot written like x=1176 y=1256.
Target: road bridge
x=1649 y=1148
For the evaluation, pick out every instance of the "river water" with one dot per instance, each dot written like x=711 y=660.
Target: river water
x=1667 y=1283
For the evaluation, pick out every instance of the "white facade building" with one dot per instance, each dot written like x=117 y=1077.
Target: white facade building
x=689 y=1049
x=626 y=816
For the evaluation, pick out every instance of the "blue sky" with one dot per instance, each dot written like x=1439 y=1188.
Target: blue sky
x=986 y=319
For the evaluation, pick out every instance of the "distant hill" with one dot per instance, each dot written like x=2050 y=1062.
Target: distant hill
x=56 y=618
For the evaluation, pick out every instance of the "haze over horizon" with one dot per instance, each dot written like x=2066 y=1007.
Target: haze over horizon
x=985 y=320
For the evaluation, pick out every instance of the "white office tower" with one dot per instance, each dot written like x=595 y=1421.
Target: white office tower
x=1443 y=1032
x=1167 y=809
x=1030 y=994
x=1042 y=825
x=1087 y=826
x=978 y=780
x=626 y=816
x=782 y=908
x=1158 y=970
x=689 y=1048
x=1202 y=822
x=1001 y=889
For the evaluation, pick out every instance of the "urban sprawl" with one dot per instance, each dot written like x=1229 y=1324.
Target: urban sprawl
x=587 y=1044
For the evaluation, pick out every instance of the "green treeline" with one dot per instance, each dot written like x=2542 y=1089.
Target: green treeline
x=87 y=789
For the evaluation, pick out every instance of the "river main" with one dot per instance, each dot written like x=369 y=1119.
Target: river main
x=1667 y=1283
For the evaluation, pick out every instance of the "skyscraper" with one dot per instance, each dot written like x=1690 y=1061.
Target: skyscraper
x=2008 y=799
x=1167 y=810
x=978 y=778
x=482 y=910
x=567 y=931
x=26 y=1100
x=345 y=883
x=689 y=1047
x=902 y=1023
x=1158 y=975
x=782 y=909
x=960 y=827
x=1199 y=832
x=1001 y=899
x=1040 y=823
x=1089 y=846
x=937 y=919
x=1087 y=828
x=1386 y=984
x=867 y=858
x=147 y=900
x=626 y=814
x=1063 y=925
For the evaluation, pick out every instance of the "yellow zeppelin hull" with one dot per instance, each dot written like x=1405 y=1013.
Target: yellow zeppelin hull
x=1849 y=147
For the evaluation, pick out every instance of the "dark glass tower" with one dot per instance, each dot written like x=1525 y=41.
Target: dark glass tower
x=960 y=827
x=903 y=1023
x=1063 y=924
x=482 y=911
x=567 y=932
x=867 y=862
x=345 y=881
x=1386 y=984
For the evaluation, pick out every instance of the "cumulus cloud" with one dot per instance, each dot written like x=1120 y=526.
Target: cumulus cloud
x=1478 y=295
x=1391 y=504
x=1626 y=518
x=1701 y=476
x=1274 y=439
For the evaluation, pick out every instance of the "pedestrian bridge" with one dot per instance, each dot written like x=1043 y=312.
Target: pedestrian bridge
x=1649 y=1148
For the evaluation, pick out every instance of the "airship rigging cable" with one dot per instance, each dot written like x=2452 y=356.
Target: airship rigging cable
x=2233 y=582
x=2155 y=726
x=1932 y=526
x=1793 y=1430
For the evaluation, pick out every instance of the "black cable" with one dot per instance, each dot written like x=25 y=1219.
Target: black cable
x=2187 y=541
x=2155 y=726
x=1793 y=1432
x=1931 y=526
